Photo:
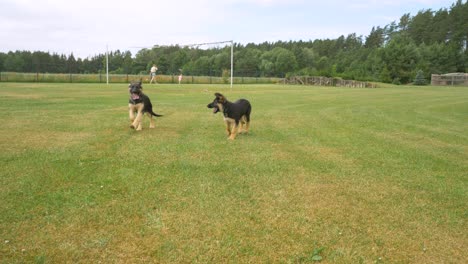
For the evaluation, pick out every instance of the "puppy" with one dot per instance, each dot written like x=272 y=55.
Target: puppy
x=141 y=104
x=234 y=114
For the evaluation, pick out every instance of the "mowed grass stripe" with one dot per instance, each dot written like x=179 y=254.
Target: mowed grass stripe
x=348 y=175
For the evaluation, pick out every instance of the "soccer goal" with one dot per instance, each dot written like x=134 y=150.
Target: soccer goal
x=219 y=43
x=191 y=46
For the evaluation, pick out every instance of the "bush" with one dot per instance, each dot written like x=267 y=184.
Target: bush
x=396 y=81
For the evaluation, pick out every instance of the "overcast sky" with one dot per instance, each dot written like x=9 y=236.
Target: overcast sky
x=86 y=27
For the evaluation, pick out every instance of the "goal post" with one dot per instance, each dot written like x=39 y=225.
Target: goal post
x=189 y=45
x=232 y=62
x=219 y=42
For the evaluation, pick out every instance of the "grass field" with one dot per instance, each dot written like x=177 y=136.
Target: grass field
x=336 y=175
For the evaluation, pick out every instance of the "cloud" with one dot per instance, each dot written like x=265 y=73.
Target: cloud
x=86 y=27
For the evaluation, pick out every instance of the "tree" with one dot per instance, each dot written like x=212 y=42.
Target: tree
x=352 y=42
x=202 y=66
x=401 y=55
x=440 y=27
x=267 y=67
x=375 y=39
x=405 y=21
x=385 y=75
x=221 y=61
x=420 y=79
x=285 y=61
x=127 y=62
x=14 y=62
x=178 y=60
x=163 y=65
x=249 y=61
x=421 y=27
x=323 y=66
x=438 y=58
x=3 y=57
x=309 y=60
x=72 y=66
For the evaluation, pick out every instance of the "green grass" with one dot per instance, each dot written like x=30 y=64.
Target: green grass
x=333 y=174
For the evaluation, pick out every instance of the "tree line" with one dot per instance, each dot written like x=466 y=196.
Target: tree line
x=430 y=42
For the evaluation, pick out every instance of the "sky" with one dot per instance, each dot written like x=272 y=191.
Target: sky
x=86 y=28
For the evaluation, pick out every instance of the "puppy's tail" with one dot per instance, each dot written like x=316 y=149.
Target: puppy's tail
x=157 y=115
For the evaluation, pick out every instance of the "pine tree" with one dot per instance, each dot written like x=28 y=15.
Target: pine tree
x=420 y=79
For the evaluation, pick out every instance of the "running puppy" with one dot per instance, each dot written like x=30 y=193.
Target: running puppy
x=141 y=104
x=234 y=114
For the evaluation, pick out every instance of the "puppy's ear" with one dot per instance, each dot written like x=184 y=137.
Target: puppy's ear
x=220 y=97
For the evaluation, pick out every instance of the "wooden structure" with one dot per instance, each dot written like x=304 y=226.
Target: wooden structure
x=457 y=78
x=325 y=81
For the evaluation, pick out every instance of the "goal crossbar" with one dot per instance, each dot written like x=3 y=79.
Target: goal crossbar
x=209 y=43
x=219 y=42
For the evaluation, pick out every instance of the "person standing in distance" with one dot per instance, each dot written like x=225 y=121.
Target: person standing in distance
x=180 y=76
x=153 y=73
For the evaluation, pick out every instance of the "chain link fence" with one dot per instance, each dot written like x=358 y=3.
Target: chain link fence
x=127 y=78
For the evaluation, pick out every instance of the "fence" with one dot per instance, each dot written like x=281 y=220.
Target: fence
x=126 y=78
x=450 y=79
x=324 y=81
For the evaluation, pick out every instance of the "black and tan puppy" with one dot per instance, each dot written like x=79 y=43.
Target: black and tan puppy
x=236 y=115
x=140 y=104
